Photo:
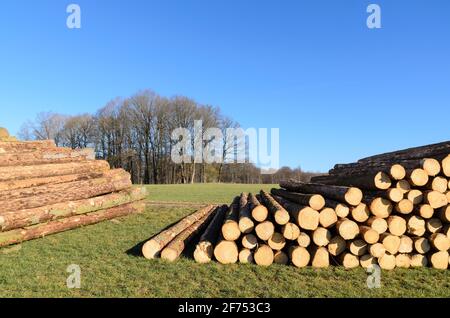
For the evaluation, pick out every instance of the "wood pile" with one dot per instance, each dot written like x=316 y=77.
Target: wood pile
x=392 y=210
x=46 y=189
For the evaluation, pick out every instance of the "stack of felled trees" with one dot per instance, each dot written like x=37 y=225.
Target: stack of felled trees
x=45 y=189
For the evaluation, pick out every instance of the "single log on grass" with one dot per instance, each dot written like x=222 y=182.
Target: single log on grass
x=350 y=195
x=226 y=252
x=370 y=181
x=299 y=256
x=304 y=240
x=230 y=227
x=205 y=247
x=112 y=181
x=174 y=249
x=57 y=226
x=249 y=241
x=259 y=211
x=57 y=155
x=281 y=258
x=280 y=215
x=347 y=229
x=315 y=201
x=290 y=231
x=265 y=230
x=52 y=170
x=246 y=224
x=264 y=255
x=152 y=248
x=246 y=256
x=10 y=220
x=337 y=246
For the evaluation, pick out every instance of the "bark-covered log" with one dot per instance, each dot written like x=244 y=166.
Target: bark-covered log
x=52 y=170
x=315 y=201
x=10 y=220
x=259 y=211
x=153 y=247
x=112 y=181
x=371 y=181
x=57 y=155
x=246 y=224
x=280 y=215
x=350 y=195
x=230 y=227
x=41 y=230
x=304 y=216
x=395 y=171
x=21 y=146
x=205 y=248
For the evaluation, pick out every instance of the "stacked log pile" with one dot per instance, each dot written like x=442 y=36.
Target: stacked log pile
x=392 y=210
x=46 y=189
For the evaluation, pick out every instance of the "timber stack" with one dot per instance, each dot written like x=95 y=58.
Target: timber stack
x=390 y=210
x=45 y=189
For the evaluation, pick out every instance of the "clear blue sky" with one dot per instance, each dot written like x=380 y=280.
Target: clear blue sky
x=337 y=90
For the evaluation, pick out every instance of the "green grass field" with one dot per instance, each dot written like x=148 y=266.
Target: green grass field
x=111 y=265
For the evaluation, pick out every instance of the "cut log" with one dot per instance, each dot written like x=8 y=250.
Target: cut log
x=264 y=255
x=360 y=213
x=205 y=248
x=390 y=242
x=347 y=229
x=226 y=252
x=415 y=196
x=406 y=245
x=418 y=177
x=277 y=242
x=304 y=240
x=342 y=210
x=425 y=211
x=435 y=199
x=38 y=157
x=378 y=224
x=230 y=227
x=259 y=211
x=393 y=194
x=320 y=257
x=10 y=220
x=281 y=258
x=249 y=241
x=387 y=262
x=377 y=250
x=419 y=260
x=175 y=248
x=290 y=231
x=350 y=195
x=153 y=247
x=395 y=171
x=265 y=230
x=404 y=186
x=52 y=170
x=358 y=247
x=440 y=241
x=380 y=207
x=439 y=184
x=112 y=181
x=367 y=261
x=422 y=245
x=306 y=217
x=439 y=260
x=280 y=215
x=299 y=256
x=315 y=201
x=446 y=166
x=337 y=246
x=370 y=181
x=404 y=207
x=321 y=237
x=246 y=256
x=434 y=225
x=396 y=225
x=327 y=218
x=403 y=261
x=444 y=213
x=349 y=261
x=246 y=224
x=416 y=226
x=57 y=226
x=369 y=235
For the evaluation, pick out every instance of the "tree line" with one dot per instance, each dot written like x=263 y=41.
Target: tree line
x=135 y=133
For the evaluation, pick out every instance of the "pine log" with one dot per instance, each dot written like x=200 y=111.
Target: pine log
x=290 y=231
x=395 y=171
x=446 y=166
x=422 y=245
x=321 y=237
x=406 y=245
x=403 y=261
x=57 y=155
x=434 y=225
x=299 y=256
x=57 y=226
x=337 y=246
x=315 y=201
x=306 y=217
x=419 y=260
x=246 y=256
x=347 y=229
x=404 y=186
x=277 y=242
x=371 y=181
x=379 y=207
x=405 y=206
x=435 y=199
x=392 y=194
x=349 y=261
x=205 y=248
x=246 y=224
x=358 y=247
x=112 y=181
x=415 y=196
x=342 y=210
x=259 y=211
x=416 y=225
x=265 y=230
x=397 y=225
x=304 y=240
x=280 y=215
x=367 y=261
x=360 y=213
x=390 y=242
x=320 y=258
x=174 y=249
x=10 y=220
x=378 y=224
x=350 y=195
x=425 y=211
x=264 y=255
x=226 y=252
x=418 y=177
x=387 y=262
x=439 y=260
x=230 y=227
x=249 y=241
x=444 y=213
x=153 y=247
x=368 y=234
x=22 y=146
x=377 y=250
x=439 y=184
x=281 y=258
x=440 y=241
x=328 y=218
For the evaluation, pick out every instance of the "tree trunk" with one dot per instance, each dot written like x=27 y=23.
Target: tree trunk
x=246 y=224
x=280 y=215
x=56 y=155
x=315 y=201
x=259 y=211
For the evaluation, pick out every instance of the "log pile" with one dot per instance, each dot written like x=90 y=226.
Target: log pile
x=392 y=210
x=46 y=189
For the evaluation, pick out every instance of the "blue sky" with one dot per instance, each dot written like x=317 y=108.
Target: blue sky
x=337 y=90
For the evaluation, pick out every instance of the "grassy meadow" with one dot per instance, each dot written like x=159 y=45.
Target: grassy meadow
x=111 y=265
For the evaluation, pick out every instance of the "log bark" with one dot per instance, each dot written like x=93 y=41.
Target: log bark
x=38 y=157
x=280 y=215
x=395 y=171
x=44 y=229
x=281 y=258
x=350 y=195
x=315 y=201
x=205 y=248
x=372 y=181
x=23 y=218
x=246 y=224
x=52 y=170
x=259 y=211
x=152 y=248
